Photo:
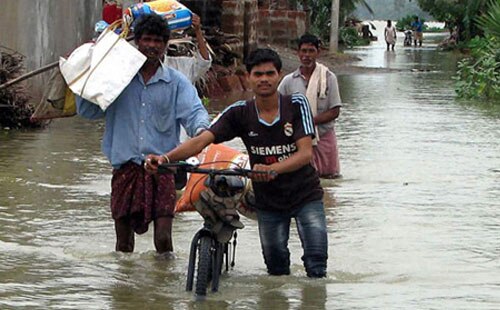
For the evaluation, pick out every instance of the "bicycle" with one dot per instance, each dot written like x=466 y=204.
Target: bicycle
x=216 y=240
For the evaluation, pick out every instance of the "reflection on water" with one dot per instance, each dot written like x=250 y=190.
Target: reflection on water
x=413 y=223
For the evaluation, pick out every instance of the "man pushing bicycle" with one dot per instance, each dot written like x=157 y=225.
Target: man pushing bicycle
x=277 y=131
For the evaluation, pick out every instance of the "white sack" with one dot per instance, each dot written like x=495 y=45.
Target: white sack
x=100 y=71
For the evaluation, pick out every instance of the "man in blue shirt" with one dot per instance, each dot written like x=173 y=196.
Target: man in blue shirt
x=146 y=119
x=418 y=35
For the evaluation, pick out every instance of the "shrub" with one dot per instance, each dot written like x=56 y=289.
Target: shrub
x=404 y=23
x=478 y=77
x=349 y=37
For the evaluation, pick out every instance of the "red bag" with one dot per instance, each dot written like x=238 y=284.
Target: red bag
x=111 y=12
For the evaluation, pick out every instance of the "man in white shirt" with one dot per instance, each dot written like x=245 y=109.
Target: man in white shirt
x=319 y=85
x=197 y=66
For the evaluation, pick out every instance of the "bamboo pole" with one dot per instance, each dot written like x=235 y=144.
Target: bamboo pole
x=29 y=74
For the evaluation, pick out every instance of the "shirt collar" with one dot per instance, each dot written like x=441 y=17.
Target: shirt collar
x=165 y=73
x=297 y=73
x=162 y=73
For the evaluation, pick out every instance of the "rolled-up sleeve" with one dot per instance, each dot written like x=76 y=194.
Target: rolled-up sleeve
x=333 y=92
x=190 y=111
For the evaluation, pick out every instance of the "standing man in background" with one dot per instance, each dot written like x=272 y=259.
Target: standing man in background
x=390 y=35
x=319 y=85
x=193 y=67
x=418 y=34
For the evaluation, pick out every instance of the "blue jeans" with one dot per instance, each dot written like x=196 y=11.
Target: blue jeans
x=274 y=231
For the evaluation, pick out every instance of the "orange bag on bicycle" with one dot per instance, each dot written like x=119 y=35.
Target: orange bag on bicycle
x=213 y=156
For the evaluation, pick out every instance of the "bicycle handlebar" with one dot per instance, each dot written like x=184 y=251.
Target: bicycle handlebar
x=187 y=167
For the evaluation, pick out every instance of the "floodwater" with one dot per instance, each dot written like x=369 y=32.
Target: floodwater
x=413 y=224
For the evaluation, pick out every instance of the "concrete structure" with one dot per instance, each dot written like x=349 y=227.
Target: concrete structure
x=253 y=21
x=279 y=23
x=43 y=30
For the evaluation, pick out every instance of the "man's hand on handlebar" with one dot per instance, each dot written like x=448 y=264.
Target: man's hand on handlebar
x=152 y=162
x=263 y=177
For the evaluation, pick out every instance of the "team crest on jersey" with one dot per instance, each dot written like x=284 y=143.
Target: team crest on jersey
x=288 y=129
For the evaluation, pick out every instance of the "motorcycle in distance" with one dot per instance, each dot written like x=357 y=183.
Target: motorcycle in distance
x=408 y=38
x=214 y=243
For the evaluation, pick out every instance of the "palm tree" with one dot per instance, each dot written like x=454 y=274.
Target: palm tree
x=489 y=22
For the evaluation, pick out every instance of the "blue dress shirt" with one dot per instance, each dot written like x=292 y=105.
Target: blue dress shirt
x=146 y=117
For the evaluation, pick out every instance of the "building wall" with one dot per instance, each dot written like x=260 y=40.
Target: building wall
x=42 y=30
x=233 y=21
x=280 y=26
x=275 y=5
x=250 y=30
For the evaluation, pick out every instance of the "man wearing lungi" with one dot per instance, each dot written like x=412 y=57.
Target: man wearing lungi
x=146 y=119
x=319 y=85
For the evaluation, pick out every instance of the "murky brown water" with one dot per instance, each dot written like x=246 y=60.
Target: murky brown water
x=414 y=223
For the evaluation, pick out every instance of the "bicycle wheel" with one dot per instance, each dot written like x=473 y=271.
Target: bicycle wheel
x=204 y=265
x=218 y=259
x=192 y=261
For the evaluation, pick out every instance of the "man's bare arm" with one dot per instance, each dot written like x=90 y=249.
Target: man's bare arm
x=202 y=44
x=327 y=116
x=187 y=149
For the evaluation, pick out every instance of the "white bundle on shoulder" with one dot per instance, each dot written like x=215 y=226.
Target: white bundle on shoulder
x=101 y=70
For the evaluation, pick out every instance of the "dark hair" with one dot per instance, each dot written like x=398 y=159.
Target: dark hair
x=309 y=39
x=152 y=24
x=263 y=55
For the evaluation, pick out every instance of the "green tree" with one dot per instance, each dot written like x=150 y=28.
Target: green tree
x=459 y=13
x=490 y=21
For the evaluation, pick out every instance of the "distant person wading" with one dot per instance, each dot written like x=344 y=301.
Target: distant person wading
x=390 y=35
x=417 y=27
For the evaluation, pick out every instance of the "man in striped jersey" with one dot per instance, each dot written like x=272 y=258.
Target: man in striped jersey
x=277 y=131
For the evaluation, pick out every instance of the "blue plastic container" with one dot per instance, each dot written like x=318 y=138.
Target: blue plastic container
x=177 y=19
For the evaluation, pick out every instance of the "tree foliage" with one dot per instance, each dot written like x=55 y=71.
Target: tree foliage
x=457 y=13
x=490 y=20
x=404 y=23
x=479 y=76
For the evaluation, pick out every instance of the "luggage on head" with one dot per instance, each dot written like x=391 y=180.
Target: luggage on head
x=177 y=15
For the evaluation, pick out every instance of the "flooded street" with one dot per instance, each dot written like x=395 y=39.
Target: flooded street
x=413 y=224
